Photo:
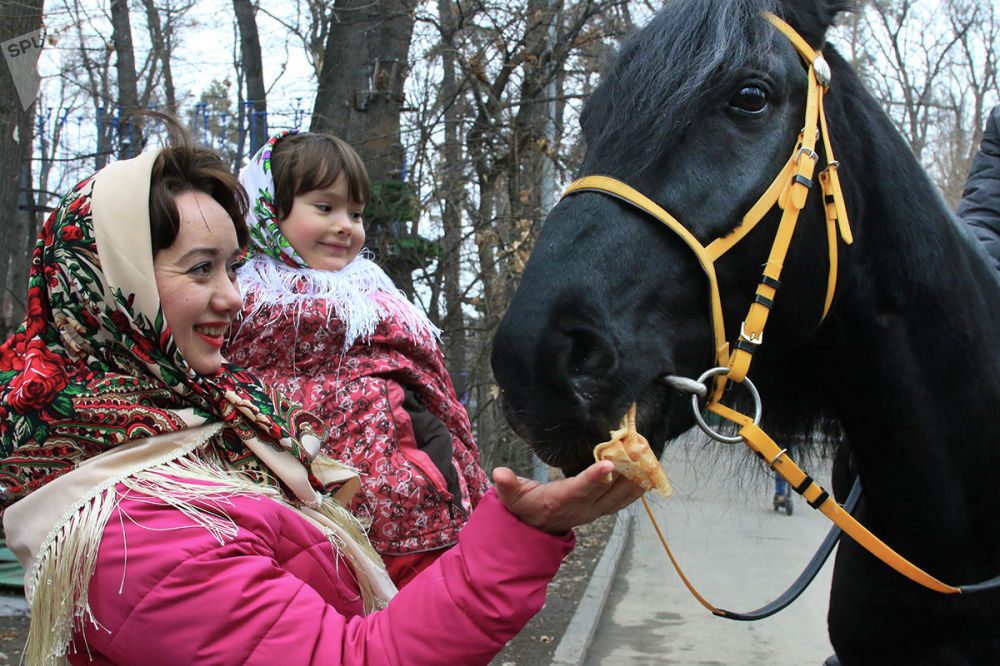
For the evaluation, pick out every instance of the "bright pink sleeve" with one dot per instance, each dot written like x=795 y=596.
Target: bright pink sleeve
x=278 y=594
x=477 y=596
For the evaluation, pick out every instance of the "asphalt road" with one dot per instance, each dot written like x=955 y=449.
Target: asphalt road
x=737 y=552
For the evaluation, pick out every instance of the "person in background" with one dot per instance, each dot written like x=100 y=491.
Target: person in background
x=326 y=326
x=170 y=508
x=979 y=208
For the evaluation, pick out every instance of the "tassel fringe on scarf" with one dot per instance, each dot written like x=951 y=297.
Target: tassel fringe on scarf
x=66 y=561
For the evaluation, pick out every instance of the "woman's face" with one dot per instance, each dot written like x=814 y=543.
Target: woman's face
x=196 y=281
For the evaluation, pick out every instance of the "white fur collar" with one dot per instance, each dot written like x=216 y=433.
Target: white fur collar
x=360 y=295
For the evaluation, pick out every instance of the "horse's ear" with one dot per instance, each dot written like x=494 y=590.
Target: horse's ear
x=830 y=8
x=812 y=20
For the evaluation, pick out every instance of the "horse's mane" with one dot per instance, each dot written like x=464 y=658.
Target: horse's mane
x=703 y=40
x=706 y=42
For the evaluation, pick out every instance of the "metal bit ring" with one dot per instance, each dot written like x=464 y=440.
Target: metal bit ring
x=707 y=429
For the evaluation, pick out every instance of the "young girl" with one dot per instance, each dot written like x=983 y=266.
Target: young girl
x=326 y=326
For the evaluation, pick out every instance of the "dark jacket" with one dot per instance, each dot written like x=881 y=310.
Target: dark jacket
x=979 y=208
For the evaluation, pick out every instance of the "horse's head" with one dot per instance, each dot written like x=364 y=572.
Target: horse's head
x=699 y=112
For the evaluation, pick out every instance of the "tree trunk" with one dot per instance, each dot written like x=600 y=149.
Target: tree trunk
x=359 y=98
x=130 y=129
x=161 y=50
x=529 y=171
x=451 y=191
x=254 y=70
x=17 y=19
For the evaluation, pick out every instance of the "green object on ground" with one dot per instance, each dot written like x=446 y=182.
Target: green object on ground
x=11 y=573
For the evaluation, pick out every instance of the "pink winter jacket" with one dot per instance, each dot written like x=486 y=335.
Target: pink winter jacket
x=170 y=593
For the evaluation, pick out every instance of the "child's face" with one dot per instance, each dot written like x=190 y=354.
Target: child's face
x=325 y=227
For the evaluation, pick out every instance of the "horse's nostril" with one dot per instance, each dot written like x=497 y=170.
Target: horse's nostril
x=589 y=361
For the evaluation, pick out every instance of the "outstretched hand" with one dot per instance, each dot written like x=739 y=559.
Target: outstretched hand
x=557 y=506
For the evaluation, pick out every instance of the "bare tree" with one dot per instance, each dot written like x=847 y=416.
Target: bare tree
x=161 y=51
x=450 y=193
x=17 y=20
x=310 y=24
x=969 y=95
x=253 y=70
x=130 y=130
x=495 y=123
x=933 y=67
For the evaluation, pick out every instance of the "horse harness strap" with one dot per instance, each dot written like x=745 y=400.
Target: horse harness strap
x=798 y=586
x=788 y=191
x=777 y=458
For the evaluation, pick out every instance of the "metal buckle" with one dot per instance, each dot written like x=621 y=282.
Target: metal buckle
x=808 y=152
x=822 y=70
x=752 y=339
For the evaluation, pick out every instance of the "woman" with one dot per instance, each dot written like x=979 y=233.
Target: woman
x=169 y=508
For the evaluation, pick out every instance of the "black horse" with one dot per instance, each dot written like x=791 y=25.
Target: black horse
x=700 y=111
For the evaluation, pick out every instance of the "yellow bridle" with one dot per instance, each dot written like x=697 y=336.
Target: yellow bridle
x=788 y=191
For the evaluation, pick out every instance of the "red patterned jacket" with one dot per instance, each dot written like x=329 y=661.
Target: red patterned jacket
x=294 y=339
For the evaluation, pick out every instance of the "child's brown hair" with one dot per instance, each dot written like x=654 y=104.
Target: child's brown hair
x=304 y=162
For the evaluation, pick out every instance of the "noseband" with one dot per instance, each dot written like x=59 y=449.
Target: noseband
x=789 y=191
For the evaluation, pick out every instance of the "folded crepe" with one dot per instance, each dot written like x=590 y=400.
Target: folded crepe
x=633 y=458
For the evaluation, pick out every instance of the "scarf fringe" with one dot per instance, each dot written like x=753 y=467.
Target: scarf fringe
x=60 y=603
x=360 y=295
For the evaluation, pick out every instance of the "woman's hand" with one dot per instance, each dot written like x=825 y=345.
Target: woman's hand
x=558 y=506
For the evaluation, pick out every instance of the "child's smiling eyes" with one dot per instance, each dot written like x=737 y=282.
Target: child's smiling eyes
x=326 y=208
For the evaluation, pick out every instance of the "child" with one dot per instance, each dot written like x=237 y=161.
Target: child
x=326 y=326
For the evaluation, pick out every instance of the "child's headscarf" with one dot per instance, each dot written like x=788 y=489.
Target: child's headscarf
x=265 y=238
x=94 y=365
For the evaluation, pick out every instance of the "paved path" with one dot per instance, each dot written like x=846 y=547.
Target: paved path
x=737 y=552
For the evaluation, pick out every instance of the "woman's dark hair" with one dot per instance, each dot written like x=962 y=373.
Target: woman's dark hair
x=305 y=162
x=183 y=166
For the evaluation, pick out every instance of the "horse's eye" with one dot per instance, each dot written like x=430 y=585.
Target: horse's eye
x=750 y=99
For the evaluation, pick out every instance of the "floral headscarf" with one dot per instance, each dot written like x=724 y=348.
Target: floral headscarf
x=265 y=237
x=94 y=365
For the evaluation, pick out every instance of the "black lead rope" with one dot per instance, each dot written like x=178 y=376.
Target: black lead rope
x=809 y=573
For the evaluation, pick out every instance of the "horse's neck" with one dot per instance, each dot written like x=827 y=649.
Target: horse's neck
x=917 y=379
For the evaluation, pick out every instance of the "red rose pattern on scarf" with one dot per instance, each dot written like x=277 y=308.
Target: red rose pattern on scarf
x=84 y=373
